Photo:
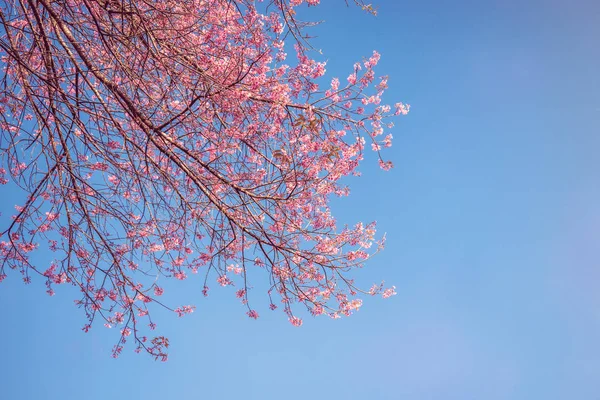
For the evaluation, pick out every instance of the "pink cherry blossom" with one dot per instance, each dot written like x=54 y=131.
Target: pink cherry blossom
x=389 y=292
x=179 y=140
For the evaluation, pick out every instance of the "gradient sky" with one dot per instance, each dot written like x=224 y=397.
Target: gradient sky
x=492 y=216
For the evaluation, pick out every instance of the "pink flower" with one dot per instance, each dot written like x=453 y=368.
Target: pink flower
x=389 y=292
x=335 y=84
x=373 y=60
x=51 y=216
x=181 y=311
x=143 y=298
x=295 y=321
x=386 y=165
x=99 y=166
x=235 y=269
x=387 y=142
x=252 y=314
x=224 y=280
x=156 y=247
x=401 y=108
x=180 y=275
x=178 y=262
x=352 y=79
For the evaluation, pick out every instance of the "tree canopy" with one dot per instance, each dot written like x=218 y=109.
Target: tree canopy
x=157 y=139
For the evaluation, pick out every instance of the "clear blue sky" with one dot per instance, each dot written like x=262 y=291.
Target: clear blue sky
x=493 y=222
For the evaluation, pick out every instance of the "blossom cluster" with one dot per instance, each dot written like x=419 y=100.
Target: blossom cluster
x=174 y=139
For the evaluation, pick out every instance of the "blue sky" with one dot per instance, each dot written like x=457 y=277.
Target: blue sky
x=492 y=216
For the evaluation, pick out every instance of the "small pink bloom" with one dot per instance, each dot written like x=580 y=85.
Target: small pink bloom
x=386 y=165
x=389 y=292
x=180 y=275
x=224 y=280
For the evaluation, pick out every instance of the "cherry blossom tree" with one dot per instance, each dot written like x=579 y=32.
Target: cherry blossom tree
x=156 y=139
